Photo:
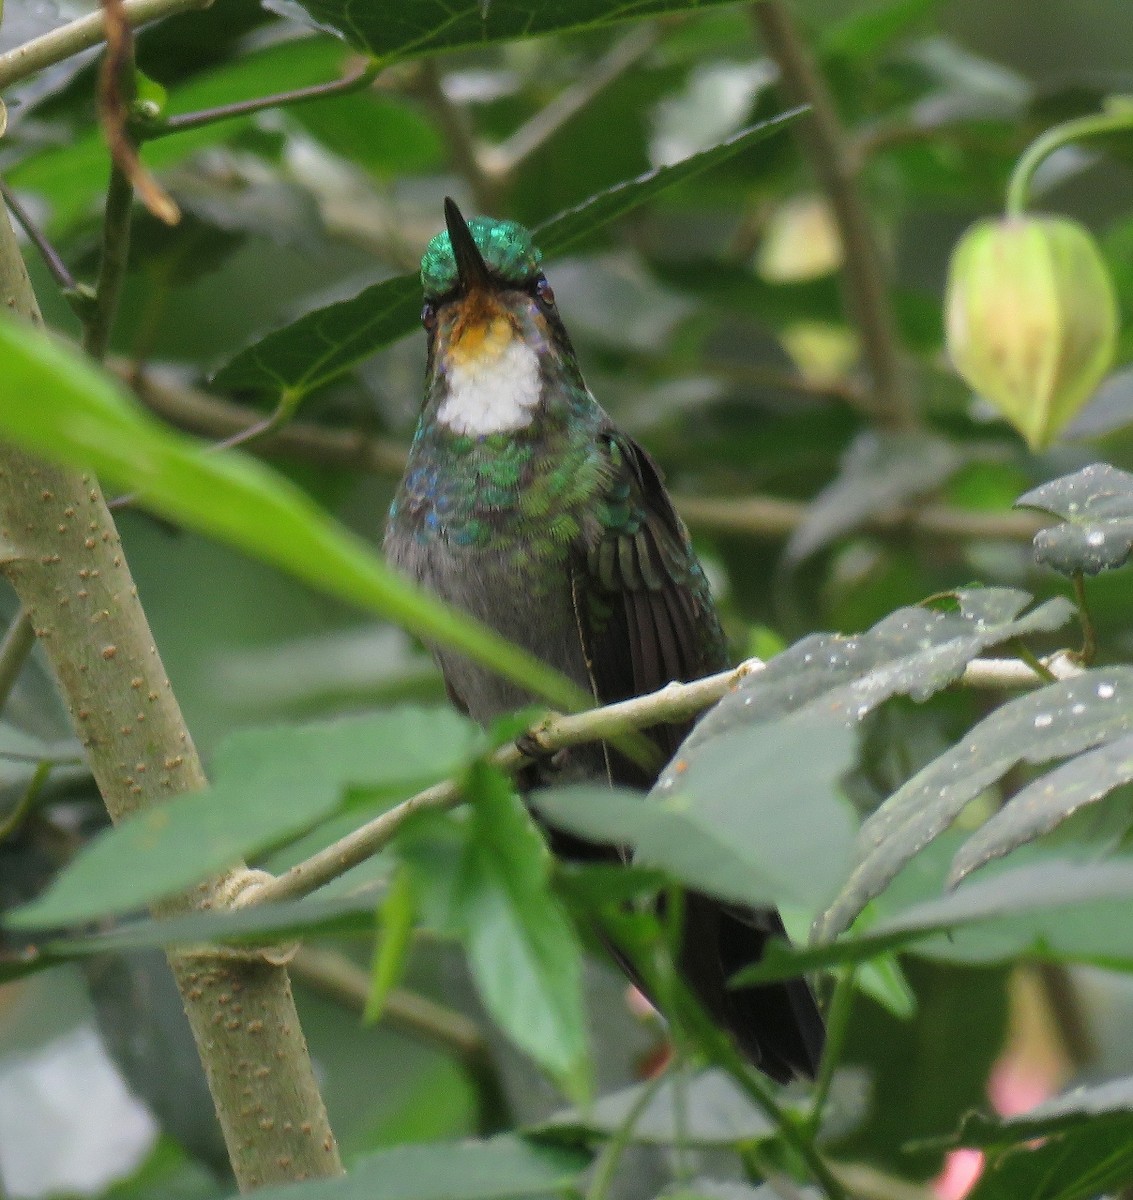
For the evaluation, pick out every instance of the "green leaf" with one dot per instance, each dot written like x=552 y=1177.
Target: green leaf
x=522 y=949
x=72 y=176
x=311 y=351
x=1040 y=806
x=913 y=651
x=54 y=403
x=1058 y=1115
x=422 y=26
x=709 y=1109
x=1011 y=912
x=163 y=850
x=878 y=472
x=395 y=928
x=747 y=818
x=1093 y=1158
x=1057 y=721
x=500 y=1169
x=1096 y=505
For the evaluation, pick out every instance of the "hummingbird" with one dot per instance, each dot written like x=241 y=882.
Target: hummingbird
x=524 y=505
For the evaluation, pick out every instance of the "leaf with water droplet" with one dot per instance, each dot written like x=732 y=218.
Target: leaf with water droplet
x=913 y=652
x=1096 y=505
x=1058 y=721
x=1047 y=802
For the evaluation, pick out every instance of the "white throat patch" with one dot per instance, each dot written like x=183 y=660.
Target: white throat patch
x=492 y=392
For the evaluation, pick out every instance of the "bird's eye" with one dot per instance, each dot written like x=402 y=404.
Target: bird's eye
x=428 y=316
x=544 y=292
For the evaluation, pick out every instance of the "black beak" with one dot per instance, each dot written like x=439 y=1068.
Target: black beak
x=470 y=265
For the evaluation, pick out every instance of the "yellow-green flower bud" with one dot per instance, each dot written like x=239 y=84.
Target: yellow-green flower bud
x=1031 y=319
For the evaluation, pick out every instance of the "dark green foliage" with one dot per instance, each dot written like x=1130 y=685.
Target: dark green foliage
x=945 y=833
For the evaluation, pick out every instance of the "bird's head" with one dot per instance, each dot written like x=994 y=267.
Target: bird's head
x=495 y=337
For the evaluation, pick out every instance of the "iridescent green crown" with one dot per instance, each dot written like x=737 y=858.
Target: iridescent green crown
x=507 y=249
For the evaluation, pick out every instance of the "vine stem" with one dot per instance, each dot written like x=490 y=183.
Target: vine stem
x=837 y=1023
x=1117 y=117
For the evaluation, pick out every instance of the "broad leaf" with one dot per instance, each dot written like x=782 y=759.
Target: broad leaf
x=1093 y=1158
x=1057 y=721
x=524 y=955
x=913 y=652
x=54 y=403
x=878 y=472
x=709 y=1109
x=745 y=816
x=322 y=344
x=500 y=1169
x=270 y=787
x=1054 y=908
x=422 y=26
x=1045 y=803
x=1096 y=505
x=1063 y=1113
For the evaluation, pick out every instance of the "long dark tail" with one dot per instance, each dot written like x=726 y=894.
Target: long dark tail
x=776 y=1025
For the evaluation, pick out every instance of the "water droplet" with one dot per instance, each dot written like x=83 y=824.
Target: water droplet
x=1077 y=709
x=1043 y=720
x=1096 y=538
x=1105 y=691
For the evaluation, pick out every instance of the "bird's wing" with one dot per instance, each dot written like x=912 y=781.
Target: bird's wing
x=646 y=617
x=644 y=610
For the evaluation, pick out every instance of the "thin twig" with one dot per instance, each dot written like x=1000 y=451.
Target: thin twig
x=833 y=163
x=112 y=266
x=209 y=416
x=226 y=112
x=81 y=34
x=837 y=1022
x=335 y=976
x=13 y=820
x=458 y=133
x=502 y=161
x=617 y=1145
x=51 y=257
x=14 y=651
x=673 y=703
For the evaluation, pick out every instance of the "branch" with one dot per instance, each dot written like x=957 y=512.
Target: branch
x=501 y=162
x=461 y=139
x=771 y=517
x=335 y=976
x=52 y=259
x=210 y=416
x=832 y=161
x=80 y=35
x=673 y=703
x=67 y=568
x=99 y=322
x=242 y=108
x=756 y=516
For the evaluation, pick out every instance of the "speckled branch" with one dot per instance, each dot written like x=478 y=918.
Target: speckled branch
x=62 y=555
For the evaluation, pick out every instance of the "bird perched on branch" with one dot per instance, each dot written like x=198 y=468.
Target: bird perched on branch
x=524 y=505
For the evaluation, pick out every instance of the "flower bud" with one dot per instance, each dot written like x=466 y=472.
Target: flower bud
x=1031 y=319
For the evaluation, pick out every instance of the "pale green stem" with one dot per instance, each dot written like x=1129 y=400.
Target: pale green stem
x=1113 y=120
